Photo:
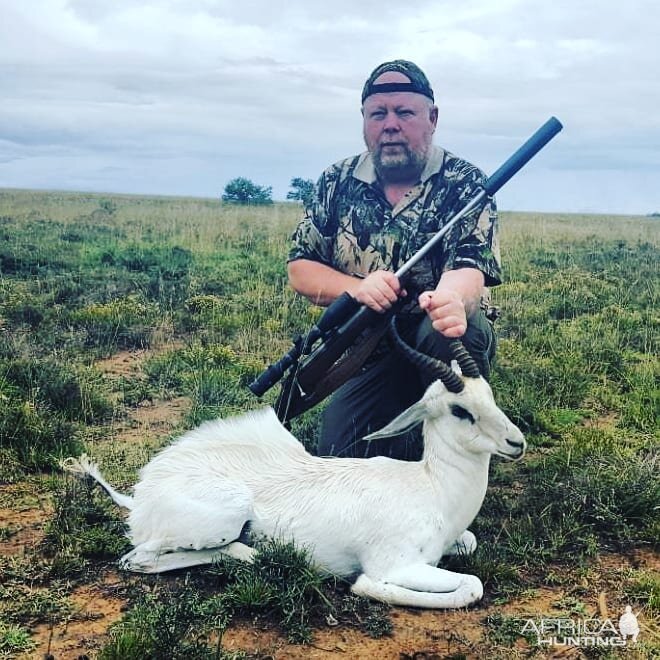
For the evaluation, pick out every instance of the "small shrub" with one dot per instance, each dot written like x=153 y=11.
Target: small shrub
x=85 y=526
x=25 y=313
x=109 y=206
x=122 y=323
x=645 y=588
x=213 y=375
x=584 y=496
x=504 y=630
x=35 y=437
x=610 y=489
x=372 y=617
x=166 y=623
x=14 y=640
x=162 y=273
x=26 y=604
x=11 y=469
x=282 y=580
x=203 y=304
x=76 y=393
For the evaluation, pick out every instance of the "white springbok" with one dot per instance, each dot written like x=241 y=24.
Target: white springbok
x=385 y=521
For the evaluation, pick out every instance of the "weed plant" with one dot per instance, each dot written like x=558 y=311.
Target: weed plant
x=14 y=640
x=167 y=622
x=85 y=527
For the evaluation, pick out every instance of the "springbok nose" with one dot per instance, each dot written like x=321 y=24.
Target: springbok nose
x=518 y=446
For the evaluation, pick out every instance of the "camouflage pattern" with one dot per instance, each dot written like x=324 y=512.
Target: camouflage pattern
x=352 y=228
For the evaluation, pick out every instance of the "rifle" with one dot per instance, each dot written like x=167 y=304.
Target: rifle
x=347 y=332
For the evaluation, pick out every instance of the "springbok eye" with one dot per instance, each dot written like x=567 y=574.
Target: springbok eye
x=461 y=413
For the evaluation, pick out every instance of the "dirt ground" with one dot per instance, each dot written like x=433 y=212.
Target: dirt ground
x=416 y=634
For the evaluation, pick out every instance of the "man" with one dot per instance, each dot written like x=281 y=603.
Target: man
x=371 y=213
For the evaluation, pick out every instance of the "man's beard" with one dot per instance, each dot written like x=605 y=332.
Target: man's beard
x=404 y=166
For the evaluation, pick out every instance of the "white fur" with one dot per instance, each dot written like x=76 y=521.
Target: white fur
x=389 y=522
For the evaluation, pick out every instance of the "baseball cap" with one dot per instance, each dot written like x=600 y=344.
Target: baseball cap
x=418 y=81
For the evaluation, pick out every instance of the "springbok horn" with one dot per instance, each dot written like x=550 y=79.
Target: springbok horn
x=430 y=365
x=465 y=361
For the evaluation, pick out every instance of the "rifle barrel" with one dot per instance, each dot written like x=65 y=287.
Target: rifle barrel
x=423 y=251
x=512 y=165
x=523 y=155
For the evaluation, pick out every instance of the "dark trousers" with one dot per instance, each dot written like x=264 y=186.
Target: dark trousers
x=388 y=385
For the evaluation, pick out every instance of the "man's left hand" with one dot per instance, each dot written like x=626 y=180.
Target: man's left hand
x=446 y=310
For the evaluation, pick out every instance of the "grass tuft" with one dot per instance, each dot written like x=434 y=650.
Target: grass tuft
x=282 y=582
x=84 y=527
x=14 y=640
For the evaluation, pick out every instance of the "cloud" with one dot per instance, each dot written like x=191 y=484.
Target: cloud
x=186 y=94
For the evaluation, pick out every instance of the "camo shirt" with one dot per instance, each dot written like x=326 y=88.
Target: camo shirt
x=351 y=227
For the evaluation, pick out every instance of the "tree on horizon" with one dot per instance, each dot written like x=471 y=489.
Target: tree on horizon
x=303 y=190
x=243 y=191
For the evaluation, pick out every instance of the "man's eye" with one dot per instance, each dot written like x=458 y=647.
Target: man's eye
x=377 y=115
x=405 y=113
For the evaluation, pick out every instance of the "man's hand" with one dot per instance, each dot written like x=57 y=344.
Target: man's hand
x=379 y=290
x=446 y=310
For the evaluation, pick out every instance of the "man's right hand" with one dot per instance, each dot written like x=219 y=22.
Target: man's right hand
x=379 y=290
x=323 y=285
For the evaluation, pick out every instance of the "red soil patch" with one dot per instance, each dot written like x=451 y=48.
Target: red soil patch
x=23 y=521
x=96 y=608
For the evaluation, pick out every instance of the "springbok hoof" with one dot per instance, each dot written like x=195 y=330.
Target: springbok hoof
x=466 y=544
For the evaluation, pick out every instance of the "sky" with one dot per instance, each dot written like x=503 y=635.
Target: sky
x=177 y=97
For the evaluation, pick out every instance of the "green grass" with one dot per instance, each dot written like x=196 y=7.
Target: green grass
x=203 y=285
x=14 y=640
x=85 y=526
x=164 y=623
x=188 y=617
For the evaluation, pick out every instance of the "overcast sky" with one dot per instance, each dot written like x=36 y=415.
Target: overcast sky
x=179 y=96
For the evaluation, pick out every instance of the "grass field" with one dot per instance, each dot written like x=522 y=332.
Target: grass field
x=125 y=320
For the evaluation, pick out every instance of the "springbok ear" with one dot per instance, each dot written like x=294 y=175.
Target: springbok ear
x=405 y=421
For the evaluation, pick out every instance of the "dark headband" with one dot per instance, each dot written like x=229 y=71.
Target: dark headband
x=385 y=88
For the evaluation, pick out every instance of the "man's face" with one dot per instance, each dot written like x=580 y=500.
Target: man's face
x=398 y=131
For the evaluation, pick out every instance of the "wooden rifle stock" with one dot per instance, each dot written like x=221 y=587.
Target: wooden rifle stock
x=333 y=362
x=338 y=343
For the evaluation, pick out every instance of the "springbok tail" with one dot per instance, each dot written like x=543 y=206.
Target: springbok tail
x=84 y=467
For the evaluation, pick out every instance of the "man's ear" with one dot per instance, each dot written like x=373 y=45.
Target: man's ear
x=433 y=115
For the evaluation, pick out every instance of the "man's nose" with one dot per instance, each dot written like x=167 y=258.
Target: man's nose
x=391 y=122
